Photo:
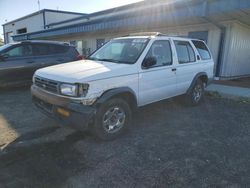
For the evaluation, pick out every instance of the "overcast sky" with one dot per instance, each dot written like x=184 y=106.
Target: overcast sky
x=13 y=9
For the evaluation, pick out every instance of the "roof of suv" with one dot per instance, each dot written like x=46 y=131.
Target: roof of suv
x=42 y=41
x=45 y=42
x=153 y=35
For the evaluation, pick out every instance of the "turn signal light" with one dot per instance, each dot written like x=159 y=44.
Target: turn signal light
x=63 y=112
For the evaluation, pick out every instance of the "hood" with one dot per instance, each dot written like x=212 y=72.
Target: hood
x=84 y=71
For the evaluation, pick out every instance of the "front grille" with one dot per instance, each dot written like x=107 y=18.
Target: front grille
x=46 y=84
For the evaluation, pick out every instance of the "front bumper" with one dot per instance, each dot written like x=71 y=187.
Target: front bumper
x=74 y=114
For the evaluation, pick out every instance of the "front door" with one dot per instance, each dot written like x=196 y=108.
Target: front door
x=159 y=81
x=14 y=68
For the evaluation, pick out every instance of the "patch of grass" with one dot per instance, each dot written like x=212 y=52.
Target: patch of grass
x=213 y=94
x=244 y=100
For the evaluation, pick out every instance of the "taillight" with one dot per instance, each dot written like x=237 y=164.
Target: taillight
x=79 y=57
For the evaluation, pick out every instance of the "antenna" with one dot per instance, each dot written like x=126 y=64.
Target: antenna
x=38 y=2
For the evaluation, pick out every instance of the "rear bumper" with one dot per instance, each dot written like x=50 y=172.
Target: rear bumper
x=75 y=115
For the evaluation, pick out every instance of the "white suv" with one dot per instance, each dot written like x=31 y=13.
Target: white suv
x=102 y=91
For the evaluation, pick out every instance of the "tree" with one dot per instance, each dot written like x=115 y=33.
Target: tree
x=1 y=41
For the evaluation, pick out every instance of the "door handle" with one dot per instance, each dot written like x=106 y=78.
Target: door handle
x=61 y=60
x=31 y=62
x=174 y=69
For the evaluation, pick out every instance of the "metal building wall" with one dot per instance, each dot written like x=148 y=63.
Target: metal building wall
x=53 y=16
x=90 y=39
x=236 y=61
x=33 y=23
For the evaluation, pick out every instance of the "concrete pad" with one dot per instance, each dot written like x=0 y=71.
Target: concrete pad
x=229 y=90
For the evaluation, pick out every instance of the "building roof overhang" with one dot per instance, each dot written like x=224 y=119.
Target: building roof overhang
x=144 y=14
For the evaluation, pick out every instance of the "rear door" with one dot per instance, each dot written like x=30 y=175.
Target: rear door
x=59 y=53
x=47 y=55
x=188 y=64
x=14 y=67
x=205 y=57
x=50 y=54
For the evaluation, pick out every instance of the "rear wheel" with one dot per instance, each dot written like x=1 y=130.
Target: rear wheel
x=195 y=96
x=112 y=119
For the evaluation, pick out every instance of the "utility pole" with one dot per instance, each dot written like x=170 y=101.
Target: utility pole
x=38 y=2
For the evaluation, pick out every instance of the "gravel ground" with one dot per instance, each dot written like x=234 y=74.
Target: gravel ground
x=168 y=145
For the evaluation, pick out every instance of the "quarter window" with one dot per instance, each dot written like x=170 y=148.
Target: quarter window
x=202 y=49
x=161 y=51
x=185 y=52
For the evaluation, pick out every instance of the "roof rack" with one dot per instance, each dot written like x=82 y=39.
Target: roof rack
x=45 y=42
x=147 y=34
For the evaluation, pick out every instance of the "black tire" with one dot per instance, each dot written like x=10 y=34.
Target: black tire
x=195 y=96
x=104 y=113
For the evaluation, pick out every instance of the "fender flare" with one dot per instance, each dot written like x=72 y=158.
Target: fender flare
x=114 y=92
x=197 y=76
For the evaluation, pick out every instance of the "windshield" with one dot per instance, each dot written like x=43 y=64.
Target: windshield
x=4 y=47
x=121 y=51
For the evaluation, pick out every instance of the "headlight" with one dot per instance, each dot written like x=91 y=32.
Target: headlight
x=69 y=89
x=74 y=90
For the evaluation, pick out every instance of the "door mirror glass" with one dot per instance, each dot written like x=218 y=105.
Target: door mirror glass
x=198 y=57
x=3 y=57
x=149 y=62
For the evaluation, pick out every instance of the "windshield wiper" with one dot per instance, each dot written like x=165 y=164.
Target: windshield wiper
x=92 y=58
x=108 y=60
x=97 y=59
x=115 y=61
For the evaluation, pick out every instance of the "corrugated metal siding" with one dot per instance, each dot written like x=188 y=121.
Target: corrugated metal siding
x=237 y=57
x=144 y=19
x=52 y=17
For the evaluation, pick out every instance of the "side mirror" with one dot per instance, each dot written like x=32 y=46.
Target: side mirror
x=198 y=57
x=3 y=57
x=149 y=62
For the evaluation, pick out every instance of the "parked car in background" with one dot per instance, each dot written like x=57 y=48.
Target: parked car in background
x=19 y=61
x=129 y=72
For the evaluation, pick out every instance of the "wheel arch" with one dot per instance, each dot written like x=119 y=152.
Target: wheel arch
x=125 y=93
x=202 y=76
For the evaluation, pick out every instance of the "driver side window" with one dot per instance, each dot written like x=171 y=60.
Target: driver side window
x=161 y=52
x=19 y=51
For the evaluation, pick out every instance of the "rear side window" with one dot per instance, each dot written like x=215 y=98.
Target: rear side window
x=202 y=49
x=49 y=49
x=185 y=52
x=40 y=49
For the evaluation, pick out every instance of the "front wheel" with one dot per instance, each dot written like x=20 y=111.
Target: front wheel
x=112 y=119
x=195 y=96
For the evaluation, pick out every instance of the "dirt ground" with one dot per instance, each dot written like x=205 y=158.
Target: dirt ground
x=168 y=145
